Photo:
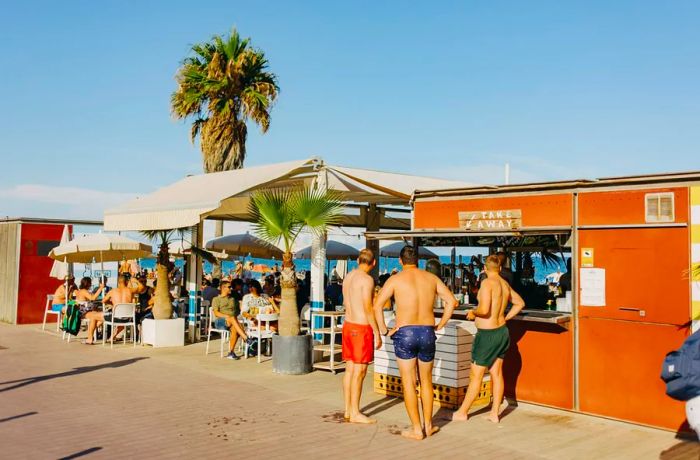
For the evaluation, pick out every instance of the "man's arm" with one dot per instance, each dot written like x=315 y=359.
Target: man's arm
x=449 y=302
x=518 y=304
x=483 y=309
x=367 y=289
x=384 y=295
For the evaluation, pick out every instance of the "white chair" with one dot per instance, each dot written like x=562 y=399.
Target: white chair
x=49 y=311
x=305 y=317
x=123 y=315
x=262 y=330
x=225 y=333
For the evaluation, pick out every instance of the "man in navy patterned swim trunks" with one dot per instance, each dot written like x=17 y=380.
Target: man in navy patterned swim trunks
x=414 y=291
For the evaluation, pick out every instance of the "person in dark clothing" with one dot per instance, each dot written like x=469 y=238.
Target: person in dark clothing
x=565 y=279
x=334 y=292
x=210 y=290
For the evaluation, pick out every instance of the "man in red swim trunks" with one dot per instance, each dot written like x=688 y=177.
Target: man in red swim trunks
x=360 y=334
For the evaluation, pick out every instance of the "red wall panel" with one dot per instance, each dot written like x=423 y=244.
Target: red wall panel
x=34 y=280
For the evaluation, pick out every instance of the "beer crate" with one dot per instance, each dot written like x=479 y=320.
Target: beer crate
x=445 y=396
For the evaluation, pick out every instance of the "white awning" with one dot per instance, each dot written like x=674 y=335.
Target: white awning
x=225 y=195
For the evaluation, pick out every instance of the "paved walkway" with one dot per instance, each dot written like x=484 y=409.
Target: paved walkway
x=61 y=400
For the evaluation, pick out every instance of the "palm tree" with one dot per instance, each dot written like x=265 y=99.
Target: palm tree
x=221 y=85
x=162 y=307
x=281 y=215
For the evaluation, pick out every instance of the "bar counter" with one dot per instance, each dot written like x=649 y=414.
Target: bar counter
x=538 y=366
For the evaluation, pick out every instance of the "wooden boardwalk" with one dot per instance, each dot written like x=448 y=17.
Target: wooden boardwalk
x=59 y=400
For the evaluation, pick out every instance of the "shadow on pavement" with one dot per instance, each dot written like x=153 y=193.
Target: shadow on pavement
x=682 y=451
x=76 y=371
x=81 y=453
x=380 y=406
x=7 y=419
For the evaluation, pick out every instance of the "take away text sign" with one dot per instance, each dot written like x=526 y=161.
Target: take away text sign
x=502 y=219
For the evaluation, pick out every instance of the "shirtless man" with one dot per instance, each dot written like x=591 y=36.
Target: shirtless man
x=492 y=338
x=59 y=296
x=122 y=294
x=414 y=291
x=360 y=334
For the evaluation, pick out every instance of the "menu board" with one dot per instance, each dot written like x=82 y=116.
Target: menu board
x=593 y=287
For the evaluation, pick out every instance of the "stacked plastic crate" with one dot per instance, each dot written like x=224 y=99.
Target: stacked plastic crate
x=453 y=356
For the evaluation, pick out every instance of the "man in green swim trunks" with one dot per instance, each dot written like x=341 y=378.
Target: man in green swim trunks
x=492 y=339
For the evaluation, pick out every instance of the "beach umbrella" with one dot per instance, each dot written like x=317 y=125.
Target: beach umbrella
x=334 y=251
x=100 y=247
x=183 y=248
x=394 y=249
x=244 y=244
x=260 y=268
x=61 y=269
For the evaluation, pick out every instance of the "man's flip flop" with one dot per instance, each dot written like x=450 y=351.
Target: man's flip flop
x=85 y=342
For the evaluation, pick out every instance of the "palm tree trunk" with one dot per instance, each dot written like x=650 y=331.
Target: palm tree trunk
x=162 y=307
x=289 y=315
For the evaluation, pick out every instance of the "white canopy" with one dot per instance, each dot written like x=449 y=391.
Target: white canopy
x=225 y=195
x=60 y=269
x=100 y=247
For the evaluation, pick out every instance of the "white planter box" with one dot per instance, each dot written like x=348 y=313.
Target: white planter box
x=163 y=332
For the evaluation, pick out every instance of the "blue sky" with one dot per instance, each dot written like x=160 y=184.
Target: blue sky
x=449 y=89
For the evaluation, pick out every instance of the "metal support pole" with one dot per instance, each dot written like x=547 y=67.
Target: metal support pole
x=193 y=283
x=318 y=263
x=373 y=225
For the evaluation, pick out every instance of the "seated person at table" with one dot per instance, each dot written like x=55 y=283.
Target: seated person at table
x=59 y=296
x=144 y=299
x=84 y=295
x=211 y=289
x=225 y=310
x=121 y=294
x=255 y=303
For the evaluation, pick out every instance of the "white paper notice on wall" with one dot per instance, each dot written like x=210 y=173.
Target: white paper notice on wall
x=592 y=287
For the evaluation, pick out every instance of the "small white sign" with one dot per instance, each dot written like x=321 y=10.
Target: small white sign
x=593 y=287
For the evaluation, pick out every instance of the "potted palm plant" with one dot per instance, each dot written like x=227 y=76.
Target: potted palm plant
x=279 y=216
x=163 y=330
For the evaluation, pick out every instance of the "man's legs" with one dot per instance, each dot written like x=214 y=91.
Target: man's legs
x=425 y=371
x=358 y=377
x=347 y=385
x=236 y=330
x=497 y=388
x=407 y=369
x=476 y=375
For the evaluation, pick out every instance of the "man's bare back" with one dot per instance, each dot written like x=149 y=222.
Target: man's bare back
x=357 y=286
x=414 y=291
x=120 y=295
x=494 y=295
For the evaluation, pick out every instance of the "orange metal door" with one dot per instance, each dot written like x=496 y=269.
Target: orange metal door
x=646 y=269
x=619 y=368
x=621 y=350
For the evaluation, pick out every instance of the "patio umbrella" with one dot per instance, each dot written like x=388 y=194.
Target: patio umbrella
x=60 y=269
x=394 y=249
x=245 y=244
x=100 y=247
x=182 y=248
x=334 y=251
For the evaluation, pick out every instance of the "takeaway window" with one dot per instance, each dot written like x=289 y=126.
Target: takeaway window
x=659 y=207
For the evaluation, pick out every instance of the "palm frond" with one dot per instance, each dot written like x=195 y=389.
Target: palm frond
x=272 y=218
x=316 y=210
x=223 y=84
